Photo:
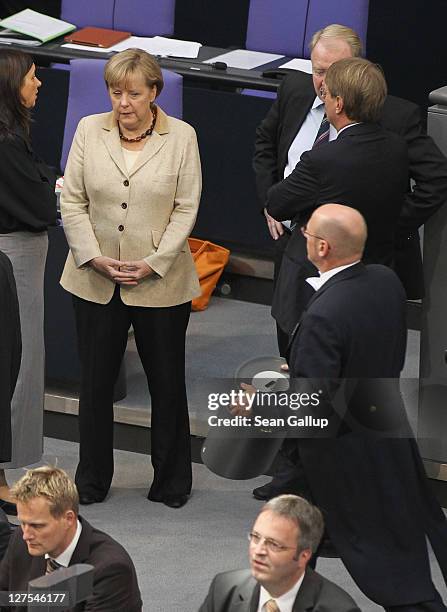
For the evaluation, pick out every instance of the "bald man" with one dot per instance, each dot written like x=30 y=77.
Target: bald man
x=373 y=490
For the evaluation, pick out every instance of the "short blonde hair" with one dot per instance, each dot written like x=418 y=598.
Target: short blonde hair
x=361 y=85
x=340 y=32
x=49 y=482
x=126 y=63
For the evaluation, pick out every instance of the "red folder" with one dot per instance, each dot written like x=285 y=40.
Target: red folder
x=97 y=37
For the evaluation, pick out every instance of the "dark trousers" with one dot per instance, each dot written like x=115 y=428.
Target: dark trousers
x=280 y=245
x=435 y=605
x=160 y=338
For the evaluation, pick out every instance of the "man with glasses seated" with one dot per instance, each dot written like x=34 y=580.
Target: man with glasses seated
x=282 y=541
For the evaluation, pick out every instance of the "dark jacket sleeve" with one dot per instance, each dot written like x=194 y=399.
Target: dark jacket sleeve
x=428 y=166
x=265 y=161
x=296 y=194
x=27 y=187
x=5 y=533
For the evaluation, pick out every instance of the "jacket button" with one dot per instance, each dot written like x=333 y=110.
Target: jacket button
x=124 y=205
x=126 y=183
x=121 y=228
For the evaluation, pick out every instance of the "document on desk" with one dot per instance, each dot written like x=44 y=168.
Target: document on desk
x=9 y=37
x=241 y=58
x=304 y=65
x=157 y=45
x=37 y=25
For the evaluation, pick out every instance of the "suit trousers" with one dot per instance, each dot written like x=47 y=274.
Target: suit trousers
x=280 y=245
x=160 y=339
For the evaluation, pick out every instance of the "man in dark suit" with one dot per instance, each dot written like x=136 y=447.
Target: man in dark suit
x=291 y=127
x=371 y=488
x=284 y=536
x=366 y=167
x=52 y=535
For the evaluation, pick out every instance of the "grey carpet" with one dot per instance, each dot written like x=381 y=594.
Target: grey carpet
x=177 y=552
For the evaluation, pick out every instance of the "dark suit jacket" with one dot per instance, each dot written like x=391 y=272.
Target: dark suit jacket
x=115 y=586
x=427 y=165
x=366 y=167
x=372 y=490
x=5 y=533
x=10 y=351
x=238 y=591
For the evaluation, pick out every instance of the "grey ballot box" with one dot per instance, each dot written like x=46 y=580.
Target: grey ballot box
x=432 y=416
x=76 y=582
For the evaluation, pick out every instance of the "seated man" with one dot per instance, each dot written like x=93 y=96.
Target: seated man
x=53 y=535
x=285 y=534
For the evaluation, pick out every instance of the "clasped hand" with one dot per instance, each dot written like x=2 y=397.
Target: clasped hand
x=122 y=272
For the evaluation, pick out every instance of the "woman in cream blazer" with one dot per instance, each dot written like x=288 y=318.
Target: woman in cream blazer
x=130 y=200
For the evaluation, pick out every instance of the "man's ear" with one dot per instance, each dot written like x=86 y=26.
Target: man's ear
x=70 y=516
x=339 y=106
x=304 y=556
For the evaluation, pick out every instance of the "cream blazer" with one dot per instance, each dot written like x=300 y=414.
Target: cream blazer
x=147 y=213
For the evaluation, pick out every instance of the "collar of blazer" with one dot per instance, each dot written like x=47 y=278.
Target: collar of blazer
x=345 y=274
x=112 y=141
x=82 y=551
x=360 y=129
x=305 y=600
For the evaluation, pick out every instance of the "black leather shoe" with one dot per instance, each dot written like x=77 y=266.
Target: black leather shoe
x=87 y=498
x=8 y=507
x=175 y=501
x=265 y=492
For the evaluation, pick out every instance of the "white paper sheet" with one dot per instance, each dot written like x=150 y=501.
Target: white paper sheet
x=241 y=58
x=87 y=48
x=304 y=65
x=9 y=37
x=158 y=45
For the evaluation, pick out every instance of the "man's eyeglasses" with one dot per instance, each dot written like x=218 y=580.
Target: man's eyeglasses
x=272 y=546
x=306 y=233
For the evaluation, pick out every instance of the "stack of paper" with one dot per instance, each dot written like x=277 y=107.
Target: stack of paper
x=242 y=58
x=158 y=45
x=36 y=25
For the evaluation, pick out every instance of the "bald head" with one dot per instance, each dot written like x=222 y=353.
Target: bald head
x=344 y=230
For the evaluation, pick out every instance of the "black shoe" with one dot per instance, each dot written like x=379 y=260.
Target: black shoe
x=8 y=507
x=175 y=501
x=265 y=492
x=87 y=498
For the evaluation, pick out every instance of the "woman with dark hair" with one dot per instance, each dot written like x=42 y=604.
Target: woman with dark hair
x=27 y=208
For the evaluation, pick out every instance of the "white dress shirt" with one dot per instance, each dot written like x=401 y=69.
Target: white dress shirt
x=285 y=602
x=65 y=557
x=305 y=138
x=318 y=281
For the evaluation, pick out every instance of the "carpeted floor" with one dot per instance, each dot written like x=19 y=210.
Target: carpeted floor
x=177 y=552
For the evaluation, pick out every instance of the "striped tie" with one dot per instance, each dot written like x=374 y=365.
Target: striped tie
x=323 y=133
x=52 y=566
x=271 y=606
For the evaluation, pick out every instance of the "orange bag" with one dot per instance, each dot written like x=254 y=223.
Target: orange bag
x=210 y=260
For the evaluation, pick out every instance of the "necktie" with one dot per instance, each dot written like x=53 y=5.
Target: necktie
x=323 y=133
x=271 y=606
x=52 y=566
